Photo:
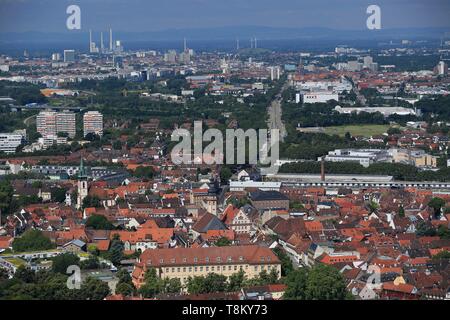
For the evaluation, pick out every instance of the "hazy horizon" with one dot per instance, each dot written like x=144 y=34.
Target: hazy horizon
x=150 y=16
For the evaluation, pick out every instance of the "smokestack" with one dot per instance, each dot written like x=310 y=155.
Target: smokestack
x=322 y=169
x=110 y=40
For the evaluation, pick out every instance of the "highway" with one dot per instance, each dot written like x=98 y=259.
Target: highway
x=275 y=113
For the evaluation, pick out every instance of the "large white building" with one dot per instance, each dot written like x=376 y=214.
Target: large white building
x=364 y=157
x=69 y=55
x=385 y=111
x=317 y=97
x=93 y=123
x=9 y=142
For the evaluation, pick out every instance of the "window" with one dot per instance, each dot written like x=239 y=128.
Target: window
x=241 y=258
x=172 y=260
x=161 y=260
x=195 y=259
x=218 y=259
x=207 y=259
x=184 y=259
x=229 y=259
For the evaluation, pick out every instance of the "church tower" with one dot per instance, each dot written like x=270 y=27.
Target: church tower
x=82 y=185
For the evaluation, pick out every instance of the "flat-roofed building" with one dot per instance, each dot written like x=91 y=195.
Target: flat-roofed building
x=93 y=123
x=9 y=142
x=50 y=123
x=182 y=263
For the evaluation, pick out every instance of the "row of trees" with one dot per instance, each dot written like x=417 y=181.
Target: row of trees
x=49 y=285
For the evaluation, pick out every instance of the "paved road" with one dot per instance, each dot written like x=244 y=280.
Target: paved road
x=275 y=113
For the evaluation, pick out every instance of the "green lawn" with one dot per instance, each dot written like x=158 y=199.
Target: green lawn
x=358 y=130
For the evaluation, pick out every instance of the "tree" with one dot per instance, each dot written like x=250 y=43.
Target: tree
x=24 y=274
x=32 y=240
x=172 y=285
x=443 y=232
x=236 y=281
x=90 y=263
x=125 y=284
x=286 y=262
x=425 y=229
x=321 y=282
x=401 y=211
x=6 y=197
x=94 y=289
x=63 y=261
x=325 y=283
x=115 y=252
x=91 y=201
x=437 y=204
x=213 y=282
x=117 y=145
x=442 y=255
x=296 y=285
x=125 y=289
x=223 y=241
x=152 y=285
x=144 y=172
x=98 y=222
x=58 y=194
x=3 y=275
x=225 y=174
x=372 y=206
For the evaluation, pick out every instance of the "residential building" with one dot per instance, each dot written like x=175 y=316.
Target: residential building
x=50 y=123
x=93 y=123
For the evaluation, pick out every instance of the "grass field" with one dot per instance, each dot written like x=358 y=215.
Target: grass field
x=358 y=130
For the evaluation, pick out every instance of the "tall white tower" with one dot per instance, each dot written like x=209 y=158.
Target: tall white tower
x=110 y=40
x=102 y=48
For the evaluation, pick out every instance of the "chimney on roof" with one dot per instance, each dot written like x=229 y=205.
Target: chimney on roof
x=322 y=169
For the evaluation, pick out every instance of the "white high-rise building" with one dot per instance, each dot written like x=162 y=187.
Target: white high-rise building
x=69 y=55
x=441 y=68
x=93 y=123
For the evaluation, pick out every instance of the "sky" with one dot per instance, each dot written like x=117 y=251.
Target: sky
x=154 y=15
